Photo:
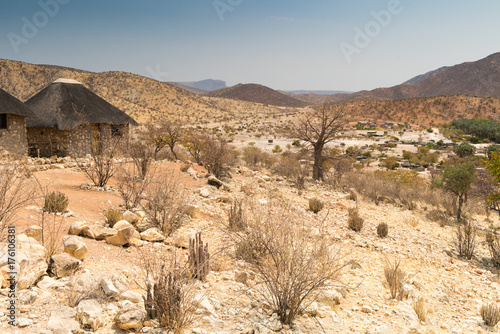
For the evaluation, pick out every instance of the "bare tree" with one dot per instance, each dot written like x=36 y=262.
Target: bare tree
x=317 y=128
x=165 y=133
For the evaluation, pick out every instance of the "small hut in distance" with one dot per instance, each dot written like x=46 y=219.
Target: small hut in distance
x=73 y=121
x=13 y=115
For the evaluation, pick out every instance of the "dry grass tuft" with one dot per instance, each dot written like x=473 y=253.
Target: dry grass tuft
x=490 y=314
x=315 y=205
x=395 y=278
x=113 y=216
x=420 y=309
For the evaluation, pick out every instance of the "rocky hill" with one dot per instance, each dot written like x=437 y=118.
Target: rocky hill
x=259 y=94
x=140 y=97
x=427 y=111
x=479 y=78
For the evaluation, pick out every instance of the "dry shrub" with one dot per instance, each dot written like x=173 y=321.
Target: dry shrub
x=420 y=309
x=291 y=167
x=131 y=186
x=215 y=154
x=142 y=154
x=490 y=314
x=355 y=222
x=382 y=230
x=400 y=187
x=465 y=239
x=113 y=216
x=102 y=165
x=55 y=202
x=396 y=279
x=52 y=233
x=166 y=202
x=236 y=217
x=315 y=205
x=291 y=266
x=16 y=191
x=494 y=247
x=170 y=291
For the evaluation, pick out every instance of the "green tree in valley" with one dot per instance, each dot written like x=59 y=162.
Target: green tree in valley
x=458 y=179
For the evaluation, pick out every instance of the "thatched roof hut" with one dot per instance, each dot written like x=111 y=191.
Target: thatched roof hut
x=72 y=120
x=66 y=104
x=10 y=105
x=13 y=114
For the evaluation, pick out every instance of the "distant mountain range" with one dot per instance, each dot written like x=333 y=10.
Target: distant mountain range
x=479 y=78
x=260 y=94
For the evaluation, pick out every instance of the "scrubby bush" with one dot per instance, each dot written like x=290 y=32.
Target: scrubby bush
x=166 y=202
x=382 y=230
x=494 y=247
x=291 y=267
x=315 y=205
x=55 y=202
x=465 y=239
x=355 y=222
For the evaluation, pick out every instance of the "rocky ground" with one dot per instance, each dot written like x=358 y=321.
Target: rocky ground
x=453 y=289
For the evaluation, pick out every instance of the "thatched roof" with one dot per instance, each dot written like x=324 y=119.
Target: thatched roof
x=66 y=104
x=10 y=105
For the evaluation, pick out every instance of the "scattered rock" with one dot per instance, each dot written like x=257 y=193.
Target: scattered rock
x=62 y=265
x=30 y=262
x=34 y=232
x=74 y=246
x=88 y=313
x=366 y=309
x=152 y=235
x=108 y=287
x=204 y=305
x=130 y=217
x=134 y=297
x=62 y=321
x=98 y=232
x=241 y=277
x=130 y=316
x=77 y=227
x=213 y=181
x=125 y=232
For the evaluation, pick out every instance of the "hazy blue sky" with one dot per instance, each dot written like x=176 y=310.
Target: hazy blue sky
x=284 y=44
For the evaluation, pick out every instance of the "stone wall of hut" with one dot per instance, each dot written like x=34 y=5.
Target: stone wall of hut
x=13 y=139
x=77 y=142
x=47 y=142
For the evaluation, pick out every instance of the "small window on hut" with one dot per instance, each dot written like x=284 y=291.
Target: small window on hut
x=115 y=131
x=3 y=121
